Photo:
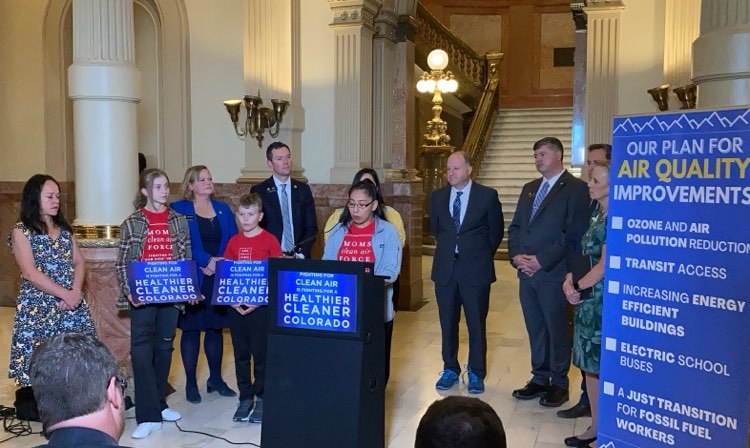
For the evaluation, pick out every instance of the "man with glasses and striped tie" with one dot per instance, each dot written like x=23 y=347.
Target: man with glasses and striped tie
x=550 y=219
x=288 y=205
x=467 y=221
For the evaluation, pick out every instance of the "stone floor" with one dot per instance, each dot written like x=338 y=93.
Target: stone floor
x=415 y=367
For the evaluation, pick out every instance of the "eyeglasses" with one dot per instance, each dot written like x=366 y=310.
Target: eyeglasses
x=354 y=205
x=122 y=383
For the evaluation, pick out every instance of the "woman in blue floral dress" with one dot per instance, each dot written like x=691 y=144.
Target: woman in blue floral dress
x=50 y=299
x=587 y=326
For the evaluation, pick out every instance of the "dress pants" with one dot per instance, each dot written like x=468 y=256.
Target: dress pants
x=249 y=339
x=543 y=305
x=152 y=330
x=475 y=301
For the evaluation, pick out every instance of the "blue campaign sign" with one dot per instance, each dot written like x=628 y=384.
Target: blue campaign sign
x=317 y=301
x=241 y=283
x=676 y=341
x=163 y=281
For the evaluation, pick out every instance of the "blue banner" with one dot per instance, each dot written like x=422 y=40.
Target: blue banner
x=163 y=281
x=317 y=301
x=241 y=283
x=676 y=336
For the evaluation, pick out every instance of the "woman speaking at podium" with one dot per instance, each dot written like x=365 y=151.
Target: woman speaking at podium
x=363 y=234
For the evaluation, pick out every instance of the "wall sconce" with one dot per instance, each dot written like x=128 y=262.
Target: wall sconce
x=687 y=95
x=258 y=118
x=437 y=82
x=661 y=96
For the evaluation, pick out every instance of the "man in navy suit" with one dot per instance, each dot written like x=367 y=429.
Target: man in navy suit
x=288 y=205
x=551 y=217
x=467 y=222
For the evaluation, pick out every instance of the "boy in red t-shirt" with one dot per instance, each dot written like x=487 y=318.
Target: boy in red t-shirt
x=249 y=324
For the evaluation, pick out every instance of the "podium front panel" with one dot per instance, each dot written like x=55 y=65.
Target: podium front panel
x=324 y=379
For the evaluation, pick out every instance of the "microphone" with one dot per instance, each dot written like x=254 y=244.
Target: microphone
x=298 y=246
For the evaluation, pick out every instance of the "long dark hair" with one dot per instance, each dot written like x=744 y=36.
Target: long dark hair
x=372 y=191
x=374 y=174
x=31 y=211
x=146 y=180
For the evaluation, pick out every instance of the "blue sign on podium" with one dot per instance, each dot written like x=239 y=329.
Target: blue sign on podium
x=317 y=301
x=676 y=335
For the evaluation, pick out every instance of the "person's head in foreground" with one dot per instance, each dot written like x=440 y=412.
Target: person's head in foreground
x=460 y=422
x=75 y=385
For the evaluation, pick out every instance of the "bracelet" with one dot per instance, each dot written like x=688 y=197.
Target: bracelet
x=577 y=287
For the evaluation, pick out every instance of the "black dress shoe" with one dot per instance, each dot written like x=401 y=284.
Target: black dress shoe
x=531 y=390
x=579 y=410
x=555 y=397
x=575 y=441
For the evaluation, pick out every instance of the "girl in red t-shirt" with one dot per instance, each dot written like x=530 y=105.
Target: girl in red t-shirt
x=152 y=233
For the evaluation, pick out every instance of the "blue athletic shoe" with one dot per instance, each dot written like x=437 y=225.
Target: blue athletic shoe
x=476 y=384
x=448 y=379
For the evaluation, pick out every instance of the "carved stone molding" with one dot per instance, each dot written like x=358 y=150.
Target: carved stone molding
x=406 y=28
x=579 y=18
x=604 y=4
x=722 y=14
x=358 y=12
x=385 y=25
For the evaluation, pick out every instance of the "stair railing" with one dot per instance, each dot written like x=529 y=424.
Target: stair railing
x=478 y=77
x=475 y=141
x=467 y=65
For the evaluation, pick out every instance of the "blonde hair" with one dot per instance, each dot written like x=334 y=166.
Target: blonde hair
x=191 y=175
x=601 y=164
x=251 y=199
x=146 y=180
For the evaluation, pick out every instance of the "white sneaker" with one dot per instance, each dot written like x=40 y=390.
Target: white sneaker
x=144 y=429
x=170 y=415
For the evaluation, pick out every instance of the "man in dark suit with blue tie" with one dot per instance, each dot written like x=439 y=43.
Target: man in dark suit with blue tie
x=467 y=222
x=551 y=217
x=288 y=205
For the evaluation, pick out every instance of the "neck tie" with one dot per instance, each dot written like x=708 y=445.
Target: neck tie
x=457 y=211
x=287 y=240
x=539 y=198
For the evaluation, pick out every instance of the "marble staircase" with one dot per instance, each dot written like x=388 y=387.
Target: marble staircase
x=509 y=163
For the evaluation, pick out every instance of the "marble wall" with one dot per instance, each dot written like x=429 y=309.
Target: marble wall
x=406 y=197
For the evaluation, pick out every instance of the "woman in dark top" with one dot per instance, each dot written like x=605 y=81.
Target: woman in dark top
x=211 y=224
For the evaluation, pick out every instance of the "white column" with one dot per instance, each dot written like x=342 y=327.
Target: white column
x=272 y=66
x=353 y=28
x=105 y=88
x=721 y=66
x=681 y=27
x=384 y=72
x=602 y=43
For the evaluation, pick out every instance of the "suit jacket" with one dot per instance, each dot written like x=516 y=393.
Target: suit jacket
x=79 y=437
x=303 y=212
x=478 y=237
x=554 y=234
x=228 y=229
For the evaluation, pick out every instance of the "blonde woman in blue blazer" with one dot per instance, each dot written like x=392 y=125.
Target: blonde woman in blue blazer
x=211 y=224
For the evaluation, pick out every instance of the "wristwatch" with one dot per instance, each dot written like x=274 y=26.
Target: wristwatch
x=577 y=287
